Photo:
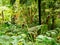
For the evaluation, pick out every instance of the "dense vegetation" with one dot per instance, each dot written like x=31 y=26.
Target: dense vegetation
x=19 y=22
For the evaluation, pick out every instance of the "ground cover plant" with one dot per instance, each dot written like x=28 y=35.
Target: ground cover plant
x=20 y=22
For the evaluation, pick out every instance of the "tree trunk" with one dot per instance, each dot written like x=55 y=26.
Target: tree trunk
x=39 y=8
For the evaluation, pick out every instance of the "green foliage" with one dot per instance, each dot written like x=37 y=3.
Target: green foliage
x=57 y=23
x=23 y=1
x=44 y=40
x=12 y=2
x=26 y=30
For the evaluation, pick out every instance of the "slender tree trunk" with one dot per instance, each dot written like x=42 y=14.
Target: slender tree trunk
x=39 y=8
x=2 y=16
x=39 y=11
